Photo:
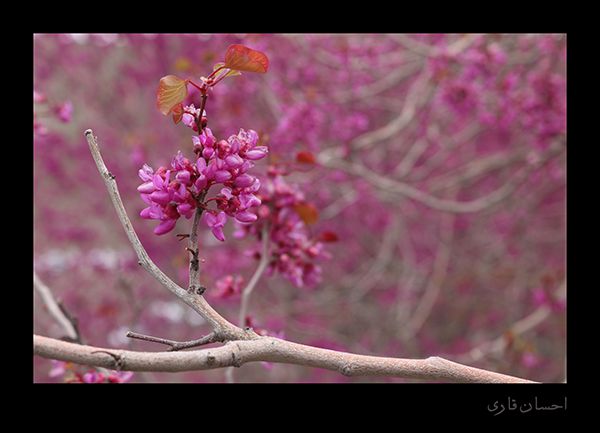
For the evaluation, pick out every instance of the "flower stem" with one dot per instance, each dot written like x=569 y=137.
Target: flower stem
x=194 y=283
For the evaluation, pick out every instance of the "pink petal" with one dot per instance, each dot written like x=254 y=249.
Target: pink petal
x=234 y=161
x=210 y=219
x=160 y=197
x=221 y=218
x=185 y=209
x=226 y=192
x=245 y=217
x=258 y=152
x=222 y=175
x=244 y=180
x=218 y=232
x=201 y=165
x=183 y=177
x=165 y=227
x=201 y=183
x=146 y=188
x=208 y=152
x=158 y=181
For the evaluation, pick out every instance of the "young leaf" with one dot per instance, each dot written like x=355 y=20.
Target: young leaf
x=232 y=73
x=305 y=157
x=328 y=236
x=177 y=113
x=307 y=212
x=172 y=90
x=242 y=58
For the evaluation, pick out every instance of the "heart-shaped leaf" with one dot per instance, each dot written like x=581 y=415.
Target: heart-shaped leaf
x=242 y=58
x=172 y=90
x=307 y=212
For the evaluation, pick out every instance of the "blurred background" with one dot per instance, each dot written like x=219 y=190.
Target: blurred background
x=433 y=167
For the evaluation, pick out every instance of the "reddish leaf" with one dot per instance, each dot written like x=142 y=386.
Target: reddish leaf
x=328 y=237
x=172 y=90
x=307 y=212
x=177 y=113
x=306 y=157
x=242 y=58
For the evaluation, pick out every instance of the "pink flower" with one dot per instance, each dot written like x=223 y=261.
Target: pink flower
x=58 y=368
x=165 y=227
x=38 y=97
x=173 y=193
x=120 y=376
x=216 y=224
x=529 y=359
x=93 y=377
x=293 y=252
x=64 y=111
x=228 y=287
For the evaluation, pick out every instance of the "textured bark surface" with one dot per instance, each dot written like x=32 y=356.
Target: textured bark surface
x=237 y=353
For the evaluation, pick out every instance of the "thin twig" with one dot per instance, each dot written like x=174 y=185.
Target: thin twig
x=262 y=265
x=418 y=95
x=177 y=345
x=434 y=286
x=523 y=325
x=57 y=313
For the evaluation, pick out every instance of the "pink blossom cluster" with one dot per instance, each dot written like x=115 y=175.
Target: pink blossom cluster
x=62 y=111
x=294 y=250
x=228 y=287
x=480 y=82
x=71 y=374
x=177 y=191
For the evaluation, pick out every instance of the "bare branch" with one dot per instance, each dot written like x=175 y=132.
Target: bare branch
x=520 y=327
x=55 y=309
x=267 y=349
x=423 y=197
x=262 y=265
x=177 y=345
x=434 y=286
x=418 y=95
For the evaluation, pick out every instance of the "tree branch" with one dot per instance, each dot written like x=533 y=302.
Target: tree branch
x=194 y=284
x=267 y=349
x=55 y=309
x=177 y=345
x=262 y=265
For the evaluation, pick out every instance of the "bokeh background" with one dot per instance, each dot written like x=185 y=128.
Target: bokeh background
x=439 y=181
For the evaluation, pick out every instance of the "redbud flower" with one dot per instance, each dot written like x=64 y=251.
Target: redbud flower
x=58 y=368
x=216 y=223
x=64 y=111
x=172 y=193
x=93 y=377
x=228 y=286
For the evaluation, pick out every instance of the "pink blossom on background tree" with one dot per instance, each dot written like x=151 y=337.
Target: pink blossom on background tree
x=392 y=195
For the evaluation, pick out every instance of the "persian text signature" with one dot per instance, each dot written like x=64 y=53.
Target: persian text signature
x=524 y=407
